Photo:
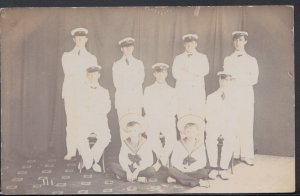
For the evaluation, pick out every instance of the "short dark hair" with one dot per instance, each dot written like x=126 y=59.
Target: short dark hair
x=238 y=35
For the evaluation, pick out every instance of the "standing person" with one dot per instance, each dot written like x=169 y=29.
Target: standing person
x=245 y=69
x=221 y=118
x=128 y=77
x=74 y=65
x=189 y=69
x=136 y=157
x=93 y=106
x=160 y=109
x=188 y=159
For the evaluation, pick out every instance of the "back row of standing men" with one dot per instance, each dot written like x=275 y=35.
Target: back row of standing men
x=160 y=101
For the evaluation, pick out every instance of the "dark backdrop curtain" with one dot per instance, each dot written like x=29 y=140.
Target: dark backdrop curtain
x=33 y=40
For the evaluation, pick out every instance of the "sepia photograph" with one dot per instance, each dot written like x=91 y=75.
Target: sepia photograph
x=147 y=100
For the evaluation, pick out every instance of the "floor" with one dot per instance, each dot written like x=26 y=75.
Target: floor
x=56 y=176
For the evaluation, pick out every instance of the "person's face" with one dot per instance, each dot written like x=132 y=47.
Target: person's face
x=239 y=43
x=191 y=132
x=161 y=76
x=80 y=41
x=93 y=77
x=190 y=46
x=134 y=131
x=127 y=50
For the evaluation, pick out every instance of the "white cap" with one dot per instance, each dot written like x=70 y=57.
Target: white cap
x=160 y=66
x=93 y=68
x=189 y=37
x=81 y=31
x=190 y=118
x=126 y=41
x=240 y=33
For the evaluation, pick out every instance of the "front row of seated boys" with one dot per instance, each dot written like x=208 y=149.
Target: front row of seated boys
x=188 y=159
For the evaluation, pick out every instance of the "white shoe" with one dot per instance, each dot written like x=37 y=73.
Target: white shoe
x=68 y=157
x=213 y=174
x=204 y=183
x=171 y=180
x=97 y=168
x=224 y=174
x=142 y=179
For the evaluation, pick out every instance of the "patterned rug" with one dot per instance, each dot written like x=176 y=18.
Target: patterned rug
x=56 y=176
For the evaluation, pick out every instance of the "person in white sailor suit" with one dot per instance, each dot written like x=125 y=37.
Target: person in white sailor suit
x=160 y=106
x=189 y=69
x=245 y=69
x=93 y=105
x=136 y=157
x=220 y=115
x=74 y=65
x=188 y=159
x=128 y=77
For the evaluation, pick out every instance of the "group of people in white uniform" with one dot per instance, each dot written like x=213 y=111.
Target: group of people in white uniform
x=226 y=116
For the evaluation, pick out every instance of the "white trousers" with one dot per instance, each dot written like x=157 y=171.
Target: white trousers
x=226 y=151
x=91 y=155
x=72 y=125
x=166 y=126
x=244 y=145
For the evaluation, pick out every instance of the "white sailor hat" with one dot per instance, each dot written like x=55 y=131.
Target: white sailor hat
x=128 y=41
x=160 y=66
x=94 y=68
x=239 y=33
x=190 y=37
x=79 y=32
x=190 y=118
x=132 y=117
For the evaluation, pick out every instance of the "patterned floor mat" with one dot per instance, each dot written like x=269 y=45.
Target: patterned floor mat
x=56 y=176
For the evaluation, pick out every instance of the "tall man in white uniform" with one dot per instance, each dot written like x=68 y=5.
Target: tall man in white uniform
x=245 y=69
x=220 y=115
x=93 y=105
x=189 y=69
x=74 y=65
x=128 y=77
x=160 y=106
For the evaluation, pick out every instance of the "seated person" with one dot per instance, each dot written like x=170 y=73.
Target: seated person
x=160 y=114
x=136 y=157
x=94 y=105
x=221 y=123
x=188 y=160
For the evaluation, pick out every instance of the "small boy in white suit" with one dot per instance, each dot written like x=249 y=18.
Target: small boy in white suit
x=93 y=105
x=188 y=159
x=160 y=105
x=136 y=157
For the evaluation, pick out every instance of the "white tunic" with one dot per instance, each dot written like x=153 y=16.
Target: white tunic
x=93 y=107
x=190 y=85
x=180 y=154
x=160 y=105
x=143 y=154
x=74 y=67
x=128 y=80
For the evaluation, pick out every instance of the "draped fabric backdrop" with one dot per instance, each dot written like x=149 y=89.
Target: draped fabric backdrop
x=34 y=39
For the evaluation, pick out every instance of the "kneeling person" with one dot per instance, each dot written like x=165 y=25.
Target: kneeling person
x=94 y=105
x=189 y=157
x=136 y=157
